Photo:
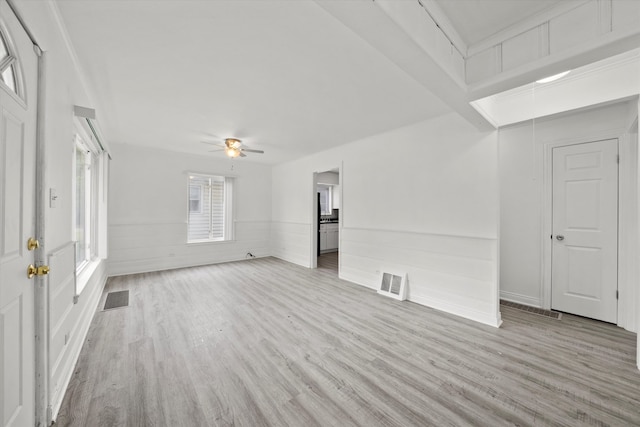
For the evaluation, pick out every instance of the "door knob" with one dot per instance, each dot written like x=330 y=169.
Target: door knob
x=32 y=244
x=560 y=237
x=32 y=270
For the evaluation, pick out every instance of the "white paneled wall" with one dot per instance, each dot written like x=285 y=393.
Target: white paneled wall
x=148 y=210
x=291 y=241
x=571 y=28
x=69 y=317
x=61 y=293
x=430 y=211
x=456 y=274
x=143 y=247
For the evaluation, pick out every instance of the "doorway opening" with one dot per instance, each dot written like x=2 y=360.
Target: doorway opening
x=327 y=220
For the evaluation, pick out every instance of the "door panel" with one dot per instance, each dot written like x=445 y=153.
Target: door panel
x=17 y=214
x=585 y=230
x=13 y=356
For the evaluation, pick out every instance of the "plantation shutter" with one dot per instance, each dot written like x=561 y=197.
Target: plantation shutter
x=208 y=200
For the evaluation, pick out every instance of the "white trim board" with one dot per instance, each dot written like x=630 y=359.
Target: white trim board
x=520 y=299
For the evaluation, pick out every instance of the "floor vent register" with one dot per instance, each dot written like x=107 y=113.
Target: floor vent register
x=539 y=311
x=117 y=299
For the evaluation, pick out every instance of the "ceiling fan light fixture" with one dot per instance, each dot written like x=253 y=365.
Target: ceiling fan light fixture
x=232 y=142
x=232 y=152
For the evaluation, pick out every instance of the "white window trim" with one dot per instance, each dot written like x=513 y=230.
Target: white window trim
x=96 y=218
x=79 y=142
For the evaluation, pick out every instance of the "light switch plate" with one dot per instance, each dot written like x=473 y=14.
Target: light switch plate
x=53 y=198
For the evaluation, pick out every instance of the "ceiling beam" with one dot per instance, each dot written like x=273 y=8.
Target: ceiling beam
x=391 y=28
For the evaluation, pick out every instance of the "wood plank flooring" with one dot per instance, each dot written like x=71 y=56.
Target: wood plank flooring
x=267 y=343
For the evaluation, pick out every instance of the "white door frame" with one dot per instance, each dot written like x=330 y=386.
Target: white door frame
x=314 y=223
x=626 y=170
x=314 y=218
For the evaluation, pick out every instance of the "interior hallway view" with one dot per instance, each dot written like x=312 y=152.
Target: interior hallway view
x=329 y=262
x=269 y=343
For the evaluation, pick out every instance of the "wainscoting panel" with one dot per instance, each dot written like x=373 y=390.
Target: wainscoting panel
x=69 y=317
x=544 y=38
x=61 y=292
x=291 y=241
x=143 y=247
x=456 y=274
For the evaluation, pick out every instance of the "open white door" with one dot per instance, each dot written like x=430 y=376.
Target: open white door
x=584 y=277
x=18 y=67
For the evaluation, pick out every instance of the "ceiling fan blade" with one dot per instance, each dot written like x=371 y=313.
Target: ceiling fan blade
x=252 y=151
x=242 y=154
x=215 y=151
x=212 y=143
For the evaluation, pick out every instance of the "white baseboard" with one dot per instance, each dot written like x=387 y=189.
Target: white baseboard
x=444 y=306
x=297 y=260
x=521 y=299
x=169 y=263
x=458 y=310
x=354 y=279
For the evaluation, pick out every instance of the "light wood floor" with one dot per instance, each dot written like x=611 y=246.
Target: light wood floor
x=267 y=343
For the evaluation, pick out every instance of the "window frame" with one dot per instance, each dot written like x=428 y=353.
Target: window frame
x=329 y=198
x=11 y=62
x=200 y=188
x=90 y=200
x=228 y=228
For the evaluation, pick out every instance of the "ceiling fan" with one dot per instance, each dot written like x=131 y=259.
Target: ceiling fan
x=233 y=148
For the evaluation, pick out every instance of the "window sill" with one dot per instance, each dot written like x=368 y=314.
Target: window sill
x=85 y=273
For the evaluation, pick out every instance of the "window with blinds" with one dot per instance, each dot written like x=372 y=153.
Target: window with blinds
x=209 y=208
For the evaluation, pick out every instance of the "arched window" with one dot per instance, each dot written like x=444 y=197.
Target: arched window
x=8 y=65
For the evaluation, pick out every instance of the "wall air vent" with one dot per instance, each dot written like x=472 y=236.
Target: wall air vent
x=393 y=285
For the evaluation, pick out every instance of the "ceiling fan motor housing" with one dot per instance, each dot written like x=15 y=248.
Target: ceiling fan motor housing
x=232 y=142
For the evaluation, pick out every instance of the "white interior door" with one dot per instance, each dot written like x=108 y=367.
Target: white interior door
x=17 y=200
x=584 y=277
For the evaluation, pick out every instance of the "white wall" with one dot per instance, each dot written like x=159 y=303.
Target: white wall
x=421 y=199
x=521 y=185
x=332 y=178
x=68 y=322
x=148 y=210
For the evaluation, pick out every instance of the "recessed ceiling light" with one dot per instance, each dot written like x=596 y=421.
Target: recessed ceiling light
x=554 y=77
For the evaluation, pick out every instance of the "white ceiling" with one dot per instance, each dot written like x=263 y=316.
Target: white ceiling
x=476 y=20
x=284 y=76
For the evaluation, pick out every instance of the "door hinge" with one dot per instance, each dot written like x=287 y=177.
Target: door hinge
x=618 y=158
x=617 y=294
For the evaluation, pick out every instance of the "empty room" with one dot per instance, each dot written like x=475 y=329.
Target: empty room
x=319 y=212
